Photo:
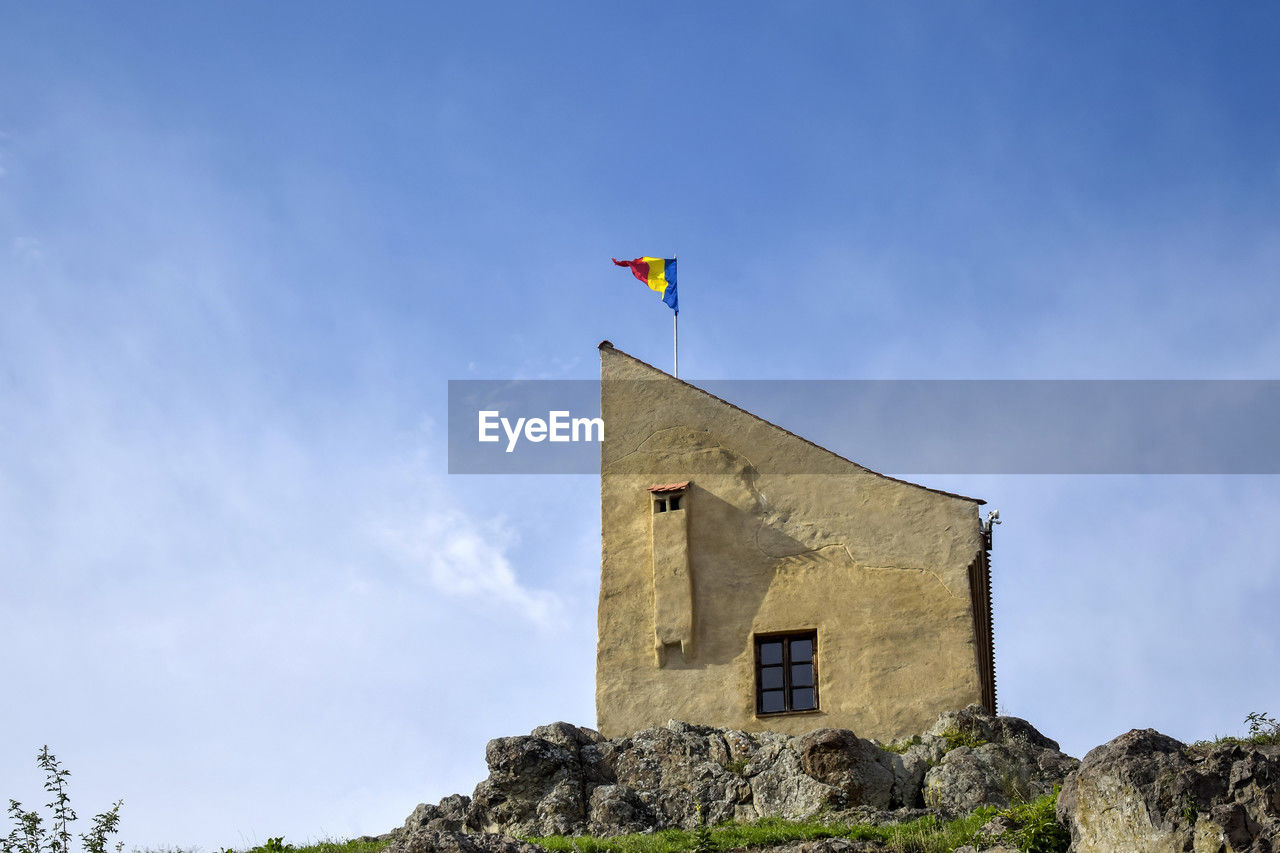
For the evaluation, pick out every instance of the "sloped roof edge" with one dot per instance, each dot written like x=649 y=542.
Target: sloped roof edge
x=609 y=345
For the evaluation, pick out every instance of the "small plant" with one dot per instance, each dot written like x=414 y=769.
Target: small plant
x=271 y=845
x=1013 y=787
x=29 y=834
x=1038 y=830
x=357 y=845
x=703 y=842
x=1263 y=728
x=738 y=766
x=955 y=737
x=900 y=746
x=1189 y=810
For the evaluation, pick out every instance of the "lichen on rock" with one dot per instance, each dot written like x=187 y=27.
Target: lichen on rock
x=566 y=780
x=1147 y=791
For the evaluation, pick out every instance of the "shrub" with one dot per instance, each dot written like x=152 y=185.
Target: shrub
x=1264 y=729
x=30 y=834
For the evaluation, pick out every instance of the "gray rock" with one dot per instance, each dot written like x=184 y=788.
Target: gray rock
x=428 y=841
x=567 y=734
x=615 y=810
x=876 y=817
x=1146 y=791
x=992 y=835
x=976 y=722
x=566 y=780
x=448 y=816
x=839 y=758
x=993 y=774
x=1016 y=763
x=829 y=845
x=909 y=768
x=598 y=761
x=783 y=789
x=535 y=787
x=675 y=768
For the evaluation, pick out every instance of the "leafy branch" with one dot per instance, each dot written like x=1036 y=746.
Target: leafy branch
x=30 y=834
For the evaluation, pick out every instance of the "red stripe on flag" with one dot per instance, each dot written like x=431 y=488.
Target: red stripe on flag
x=639 y=268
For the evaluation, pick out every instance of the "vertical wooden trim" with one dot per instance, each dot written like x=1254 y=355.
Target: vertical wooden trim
x=981 y=607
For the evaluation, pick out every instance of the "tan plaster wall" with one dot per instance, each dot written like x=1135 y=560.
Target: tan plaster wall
x=672 y=586
x=878 y=567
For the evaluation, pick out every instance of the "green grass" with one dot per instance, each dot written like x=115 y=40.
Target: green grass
x=328 y=846
x=926 y=835
x=1038 y=828
x=343 y=847
x=900 y=746
x=1264 y=730
x=1037 y=832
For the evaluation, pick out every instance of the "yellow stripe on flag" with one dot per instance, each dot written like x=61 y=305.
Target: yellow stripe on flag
x=657 y=270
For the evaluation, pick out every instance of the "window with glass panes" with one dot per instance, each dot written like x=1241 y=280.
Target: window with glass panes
x=786 y=679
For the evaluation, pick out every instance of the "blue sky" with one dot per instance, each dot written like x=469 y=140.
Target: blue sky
x=243 y=247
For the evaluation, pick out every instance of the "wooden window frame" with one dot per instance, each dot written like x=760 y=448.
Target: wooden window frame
x=786 y=638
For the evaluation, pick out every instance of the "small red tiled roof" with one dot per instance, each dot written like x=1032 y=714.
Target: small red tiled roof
x=670 y=487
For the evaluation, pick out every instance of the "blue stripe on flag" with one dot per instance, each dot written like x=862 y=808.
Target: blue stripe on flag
x=669 y=295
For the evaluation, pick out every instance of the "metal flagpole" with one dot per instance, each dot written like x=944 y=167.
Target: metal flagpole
x=676 y=341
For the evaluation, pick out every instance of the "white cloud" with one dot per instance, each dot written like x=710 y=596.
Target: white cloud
x=185 y=496
x=463 y=558
x=1133 y=601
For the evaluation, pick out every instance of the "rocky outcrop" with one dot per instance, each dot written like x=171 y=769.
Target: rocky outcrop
x=443 y=841
x=448 y=816
x=859 y=770
x=1147 y=791
x=1142 y=791
x=565 y=780
x=1001 y=760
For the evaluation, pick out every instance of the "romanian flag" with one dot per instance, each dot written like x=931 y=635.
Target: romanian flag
x=659 y=274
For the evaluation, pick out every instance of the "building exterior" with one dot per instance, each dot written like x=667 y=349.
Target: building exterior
x=752 y=579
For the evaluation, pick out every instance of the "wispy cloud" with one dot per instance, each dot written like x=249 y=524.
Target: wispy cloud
x=467 y=559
